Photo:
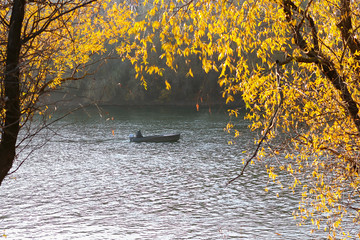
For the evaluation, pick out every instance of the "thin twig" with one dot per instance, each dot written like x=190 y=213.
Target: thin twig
x=268 y=129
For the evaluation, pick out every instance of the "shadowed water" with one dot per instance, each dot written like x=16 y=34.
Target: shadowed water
x=87 y=183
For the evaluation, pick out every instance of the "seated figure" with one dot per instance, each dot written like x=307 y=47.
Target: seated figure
x=138 y=134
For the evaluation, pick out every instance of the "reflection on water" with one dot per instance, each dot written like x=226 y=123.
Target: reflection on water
x=87 y=183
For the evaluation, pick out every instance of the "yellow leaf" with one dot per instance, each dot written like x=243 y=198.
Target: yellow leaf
x=168 y=86
x=190 y=73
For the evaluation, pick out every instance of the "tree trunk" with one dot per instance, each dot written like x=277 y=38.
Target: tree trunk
x=327 y=66
x=11 y=90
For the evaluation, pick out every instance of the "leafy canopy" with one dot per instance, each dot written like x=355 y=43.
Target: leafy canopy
x=306 y=105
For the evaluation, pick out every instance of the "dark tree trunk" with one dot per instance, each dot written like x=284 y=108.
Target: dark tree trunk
x=11 y=90
x=327 y=66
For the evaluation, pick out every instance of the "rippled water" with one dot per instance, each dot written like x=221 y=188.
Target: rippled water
x=87 y=183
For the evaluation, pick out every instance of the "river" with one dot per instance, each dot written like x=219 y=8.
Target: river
x=89 y=182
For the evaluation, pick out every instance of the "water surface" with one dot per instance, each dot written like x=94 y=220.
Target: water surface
x=90 y=182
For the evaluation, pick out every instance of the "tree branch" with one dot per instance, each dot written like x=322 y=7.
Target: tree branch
x=54 y=17
x=327 y=66
x=346 y=29
x=271 y=122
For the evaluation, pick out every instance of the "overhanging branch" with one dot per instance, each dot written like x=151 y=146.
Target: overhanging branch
x=271 y=125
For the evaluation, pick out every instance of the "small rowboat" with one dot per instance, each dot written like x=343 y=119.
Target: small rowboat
x=156 y=138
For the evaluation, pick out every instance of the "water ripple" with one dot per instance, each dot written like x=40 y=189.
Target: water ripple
x=85 y=187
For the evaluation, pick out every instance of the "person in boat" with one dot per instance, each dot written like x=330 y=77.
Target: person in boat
x=138 y=134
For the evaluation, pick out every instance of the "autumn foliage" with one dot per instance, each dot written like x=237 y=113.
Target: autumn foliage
x=307 y=105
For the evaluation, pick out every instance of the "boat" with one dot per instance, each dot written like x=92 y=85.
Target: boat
x=155 y=138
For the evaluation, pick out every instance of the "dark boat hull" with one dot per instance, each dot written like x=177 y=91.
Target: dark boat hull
x=156 y=138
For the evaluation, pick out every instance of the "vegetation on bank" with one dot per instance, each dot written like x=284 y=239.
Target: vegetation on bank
x=115 y=84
